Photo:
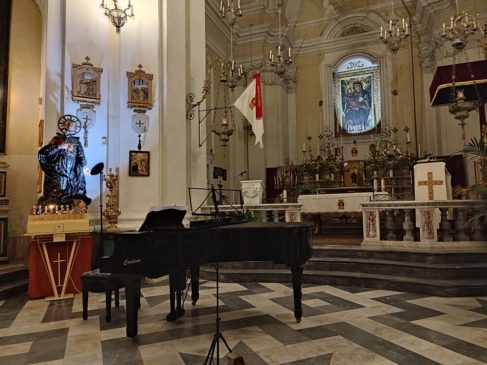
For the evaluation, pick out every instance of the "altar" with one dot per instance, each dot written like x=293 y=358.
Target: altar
x=338 y=203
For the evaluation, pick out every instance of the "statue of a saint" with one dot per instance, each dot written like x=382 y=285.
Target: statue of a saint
x=64 y=164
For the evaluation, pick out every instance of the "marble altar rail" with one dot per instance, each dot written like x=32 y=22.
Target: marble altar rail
x=272 y=212
x=441 y=224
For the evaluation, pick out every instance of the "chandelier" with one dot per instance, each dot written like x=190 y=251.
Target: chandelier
x=462 y=25
x=118 y=15
x=393 y=34
x=230 y=11
x=280 y=61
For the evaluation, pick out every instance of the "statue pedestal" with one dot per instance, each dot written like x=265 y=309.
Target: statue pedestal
x=252 y=191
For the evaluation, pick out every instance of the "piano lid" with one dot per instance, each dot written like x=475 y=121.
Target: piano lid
x=440 y=88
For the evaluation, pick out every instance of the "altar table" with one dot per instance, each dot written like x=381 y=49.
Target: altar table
x=338 y=203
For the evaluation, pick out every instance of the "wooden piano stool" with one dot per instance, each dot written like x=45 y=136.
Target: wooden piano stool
x=98 y=282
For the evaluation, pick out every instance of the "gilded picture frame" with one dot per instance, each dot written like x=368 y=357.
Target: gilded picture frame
x=139 y=163
x=357 y=98
x=85 y=80
x=139 y=89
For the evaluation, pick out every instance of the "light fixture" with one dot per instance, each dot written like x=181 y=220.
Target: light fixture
x=118 y=15
x=461 y=108
x=280 y=61
x=393 y=34
x=462 y=25
x=230 y=11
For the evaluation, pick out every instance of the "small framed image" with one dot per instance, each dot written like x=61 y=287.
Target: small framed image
x=86 y=82
x=139 y=89
x=40 y=133
x=139 y=163
x=3 y=183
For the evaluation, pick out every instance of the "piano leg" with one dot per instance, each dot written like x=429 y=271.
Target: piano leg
x=177 y=284
x=132 y=302
x=195 y=283
x=297 y=273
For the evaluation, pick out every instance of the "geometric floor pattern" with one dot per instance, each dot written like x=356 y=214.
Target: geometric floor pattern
x=340 y=325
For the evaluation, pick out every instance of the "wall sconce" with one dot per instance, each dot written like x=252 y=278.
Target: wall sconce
x=118 y=15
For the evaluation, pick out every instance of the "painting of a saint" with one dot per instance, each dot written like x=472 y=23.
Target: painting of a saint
x=357 y=97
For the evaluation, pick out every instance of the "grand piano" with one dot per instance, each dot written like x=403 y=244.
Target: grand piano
x=166 y=250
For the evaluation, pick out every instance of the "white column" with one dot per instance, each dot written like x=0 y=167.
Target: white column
x=52 y=65
x=196 y=53
x=173 y=163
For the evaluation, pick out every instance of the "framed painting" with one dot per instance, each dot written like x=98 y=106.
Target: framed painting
x=356 y=84
x=85 y=80
x=3 y=236
x=3 y=183
x=139 y=89
x=480 y=168
x=139 y=163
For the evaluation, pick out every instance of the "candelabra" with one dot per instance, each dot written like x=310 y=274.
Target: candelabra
x=462 y=25
x=397 y=30
x=118 y=15
x=280 y=62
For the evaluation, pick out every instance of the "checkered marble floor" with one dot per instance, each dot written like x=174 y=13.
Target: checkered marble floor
x=341 y=325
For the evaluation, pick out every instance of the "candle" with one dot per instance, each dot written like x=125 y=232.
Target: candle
x=238 y=4
x=289 y=52
x=284 y=195
x=444 y=28
x=304 y=147
x=390 y=24
x=381 y=31
x=403 y=24
x=408 y=138
x=270 y=54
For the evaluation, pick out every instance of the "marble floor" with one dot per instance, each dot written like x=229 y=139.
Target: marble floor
x=341 y=325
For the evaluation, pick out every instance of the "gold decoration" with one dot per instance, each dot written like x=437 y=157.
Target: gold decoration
x=112 y=211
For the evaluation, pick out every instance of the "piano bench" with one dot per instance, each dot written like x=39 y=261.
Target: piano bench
x=97 y=282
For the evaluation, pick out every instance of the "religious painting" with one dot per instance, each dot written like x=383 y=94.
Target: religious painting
x=480 y=169
x=356 y=83
x=86 y=82
x=139 y=89
x=3 y=183
x=353 y=173
x=139 y=163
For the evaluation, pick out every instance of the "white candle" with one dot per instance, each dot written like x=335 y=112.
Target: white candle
x=289 y=52
x=444 y=28
x=284 y=195
x=304 y=147
x=408 y=138
x=270 y=54
x=390 y=24
x=381 y=31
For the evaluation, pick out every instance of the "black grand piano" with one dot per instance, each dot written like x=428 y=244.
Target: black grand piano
x=166 y=250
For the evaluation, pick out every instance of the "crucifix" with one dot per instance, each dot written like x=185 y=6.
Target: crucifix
x=430 y=183
x=58 y=262
x=86 y=119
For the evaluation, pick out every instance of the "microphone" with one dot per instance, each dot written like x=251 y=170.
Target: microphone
x=242 y=173
x=97 y=168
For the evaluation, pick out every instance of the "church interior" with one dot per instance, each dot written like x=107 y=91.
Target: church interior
x=245 y=181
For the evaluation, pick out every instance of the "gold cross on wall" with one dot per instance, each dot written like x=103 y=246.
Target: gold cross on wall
x=430 y=183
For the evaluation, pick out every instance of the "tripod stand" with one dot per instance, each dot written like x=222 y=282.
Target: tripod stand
x=218 y=335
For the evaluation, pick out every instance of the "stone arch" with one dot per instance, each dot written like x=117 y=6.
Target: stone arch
x=352 y=24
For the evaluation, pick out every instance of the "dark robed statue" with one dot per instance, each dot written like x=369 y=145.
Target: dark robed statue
x=64 y=164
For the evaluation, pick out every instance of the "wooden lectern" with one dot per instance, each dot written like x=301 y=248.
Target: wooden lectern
x=60 y=251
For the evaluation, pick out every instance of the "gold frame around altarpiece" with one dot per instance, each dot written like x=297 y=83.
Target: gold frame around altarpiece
x=139 y=90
